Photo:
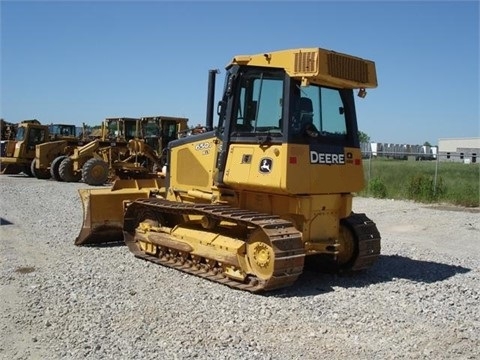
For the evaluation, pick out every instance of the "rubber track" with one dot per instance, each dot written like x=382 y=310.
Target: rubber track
x=286 y=241
x=368 y=237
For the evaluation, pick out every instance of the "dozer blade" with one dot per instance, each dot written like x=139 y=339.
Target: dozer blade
x=103 y=209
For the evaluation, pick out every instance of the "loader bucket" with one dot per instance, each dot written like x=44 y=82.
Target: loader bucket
x=103 y=209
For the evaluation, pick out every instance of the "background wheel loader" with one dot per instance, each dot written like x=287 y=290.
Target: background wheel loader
x=46 y=162
x=249 y=202
x=18 y=154
x=91 y=163
x=128 y=148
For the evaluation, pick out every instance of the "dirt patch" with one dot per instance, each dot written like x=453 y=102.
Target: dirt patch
x=473 y=210
x=25 y=270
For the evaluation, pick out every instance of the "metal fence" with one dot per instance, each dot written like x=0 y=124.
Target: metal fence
x=431 y=163
x=399 y=151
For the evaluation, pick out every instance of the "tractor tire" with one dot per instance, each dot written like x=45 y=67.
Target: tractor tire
x=95 y=172
x=39 y=173
x=55 y=166
x=66 y=171
x=32 y=168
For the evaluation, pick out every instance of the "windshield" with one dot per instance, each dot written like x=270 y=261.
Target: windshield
x=151 y=129
x=121 y=128
x=65 y=130
x=36 y=136
x=130 y=129
x=20 y=134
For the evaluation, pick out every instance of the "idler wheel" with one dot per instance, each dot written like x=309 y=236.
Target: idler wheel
x=348 y=246
x=260 y=254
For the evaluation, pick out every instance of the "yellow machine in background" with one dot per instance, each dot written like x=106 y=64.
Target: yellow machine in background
x=62 y=145
x=92 y=162
x=146 y=154
x=18 y=155
x=128 y=148
x=247 y=202
x=8 y=130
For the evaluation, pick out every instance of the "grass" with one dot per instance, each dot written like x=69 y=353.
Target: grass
x=454 y=183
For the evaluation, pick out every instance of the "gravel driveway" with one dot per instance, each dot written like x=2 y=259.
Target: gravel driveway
x=419 y=301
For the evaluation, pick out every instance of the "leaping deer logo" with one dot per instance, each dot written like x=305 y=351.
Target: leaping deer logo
x=265 y=165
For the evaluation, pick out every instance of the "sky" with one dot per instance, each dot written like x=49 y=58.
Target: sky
x=82 y=61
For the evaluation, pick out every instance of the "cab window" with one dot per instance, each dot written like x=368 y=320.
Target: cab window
x=259 y=105
x=318 y=111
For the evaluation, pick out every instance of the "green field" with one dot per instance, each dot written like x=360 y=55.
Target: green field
x=454 y=183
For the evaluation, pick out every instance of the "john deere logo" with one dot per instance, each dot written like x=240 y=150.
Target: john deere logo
x=266 y=165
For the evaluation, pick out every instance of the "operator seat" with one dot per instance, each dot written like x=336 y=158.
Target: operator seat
x=303 y=113
x=305 y=110
x=307 y=127
x=302 y=122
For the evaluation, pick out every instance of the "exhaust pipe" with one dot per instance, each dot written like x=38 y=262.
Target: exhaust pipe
x=211 y=98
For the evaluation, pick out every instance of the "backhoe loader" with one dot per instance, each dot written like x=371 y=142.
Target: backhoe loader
x=250 y=200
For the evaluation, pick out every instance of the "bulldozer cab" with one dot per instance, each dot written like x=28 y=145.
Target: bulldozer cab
x=292 y=112
x=287 y=126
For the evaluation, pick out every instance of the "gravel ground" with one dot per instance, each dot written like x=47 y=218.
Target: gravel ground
x=58 y=301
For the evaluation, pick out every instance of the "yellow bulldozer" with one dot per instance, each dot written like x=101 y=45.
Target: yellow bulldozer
x=248 y=202
x=127 y=148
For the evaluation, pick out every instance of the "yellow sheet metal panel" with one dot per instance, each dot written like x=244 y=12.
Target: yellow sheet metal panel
x=192 y=165
x=316 y=216
x=317 y=171
x=318 y=66
x=321 y=214
x=255 y=168
x=294 y=169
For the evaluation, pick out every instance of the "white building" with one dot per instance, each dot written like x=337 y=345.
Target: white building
x=459 y=149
